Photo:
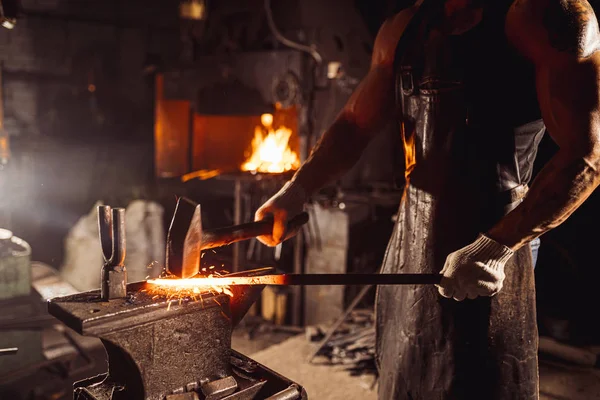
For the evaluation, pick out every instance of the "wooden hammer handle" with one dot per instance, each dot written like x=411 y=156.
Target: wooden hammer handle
x=231 y=234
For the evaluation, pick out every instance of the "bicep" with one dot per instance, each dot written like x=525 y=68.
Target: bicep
x=569 y=97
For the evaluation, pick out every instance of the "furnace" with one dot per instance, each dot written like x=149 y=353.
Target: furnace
x=222 y=114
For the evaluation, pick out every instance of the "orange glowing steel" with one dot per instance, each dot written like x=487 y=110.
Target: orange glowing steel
x=219 y=281
x=174 y=289
x=188 y=286
x=270 y=149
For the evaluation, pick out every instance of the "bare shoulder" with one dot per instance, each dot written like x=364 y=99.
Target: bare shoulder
x=553 y=29
x=388 y=36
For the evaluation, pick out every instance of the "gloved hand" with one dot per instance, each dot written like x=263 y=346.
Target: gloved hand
x=475 y=270
x=285 y=204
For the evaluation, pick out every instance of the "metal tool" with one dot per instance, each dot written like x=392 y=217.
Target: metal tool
x=111 y=225
x=8 y=351
x=319 y=279
x=186 y=231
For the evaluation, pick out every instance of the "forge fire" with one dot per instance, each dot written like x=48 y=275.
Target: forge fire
x=271 y=152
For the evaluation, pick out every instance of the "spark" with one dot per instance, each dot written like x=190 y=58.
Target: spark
x=151 y=264
x=177 y=289
x=225 y=315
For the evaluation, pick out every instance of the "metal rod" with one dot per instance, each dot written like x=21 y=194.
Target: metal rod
x=105 y=228
x=340 y=279
x=1 y=96
x=298 y=292
x=118 y=225
x=306 y=280
x=291 y=393
x=237 y=220
x=9 y=351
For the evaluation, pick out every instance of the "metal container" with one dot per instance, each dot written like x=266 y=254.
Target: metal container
x=20 y=306
x=15 y=266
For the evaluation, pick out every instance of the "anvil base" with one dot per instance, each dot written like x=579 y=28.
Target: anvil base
x=253 y=381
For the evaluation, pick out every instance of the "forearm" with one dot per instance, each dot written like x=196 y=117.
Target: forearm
x=559 y=189
x=337 y=151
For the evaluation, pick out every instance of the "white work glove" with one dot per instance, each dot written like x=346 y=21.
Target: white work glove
x=475 y=270
x=285 y=204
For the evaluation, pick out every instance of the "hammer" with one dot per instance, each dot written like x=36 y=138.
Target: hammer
x=186 y=239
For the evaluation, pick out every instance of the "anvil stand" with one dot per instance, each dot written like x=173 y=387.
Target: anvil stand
x=160 y=349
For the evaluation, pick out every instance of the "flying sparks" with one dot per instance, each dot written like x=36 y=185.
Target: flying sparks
x=190 y=286
x=176 y=290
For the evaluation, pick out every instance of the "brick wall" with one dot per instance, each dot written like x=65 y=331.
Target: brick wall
x=79 y=110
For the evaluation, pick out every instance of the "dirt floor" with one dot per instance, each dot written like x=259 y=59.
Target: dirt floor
x=558 y=381
x=320 y=381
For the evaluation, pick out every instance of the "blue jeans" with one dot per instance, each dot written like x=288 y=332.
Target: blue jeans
x=535 y=245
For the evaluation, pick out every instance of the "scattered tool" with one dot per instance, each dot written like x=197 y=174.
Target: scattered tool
x=339 y=322
x=186 y=239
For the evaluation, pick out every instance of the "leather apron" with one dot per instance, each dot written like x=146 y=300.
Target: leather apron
x=470 y=125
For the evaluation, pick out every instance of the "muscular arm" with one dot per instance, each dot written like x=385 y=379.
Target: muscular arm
x=367 y=111
x=561 y=38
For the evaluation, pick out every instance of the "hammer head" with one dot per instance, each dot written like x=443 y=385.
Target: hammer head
x=184 y=239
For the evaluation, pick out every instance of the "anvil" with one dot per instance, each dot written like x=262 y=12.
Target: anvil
x=170 y=349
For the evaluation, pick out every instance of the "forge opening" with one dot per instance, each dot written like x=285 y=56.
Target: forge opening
x=186 y=141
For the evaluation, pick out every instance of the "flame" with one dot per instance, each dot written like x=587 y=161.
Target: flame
x=410 y=152
x=271 y=152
